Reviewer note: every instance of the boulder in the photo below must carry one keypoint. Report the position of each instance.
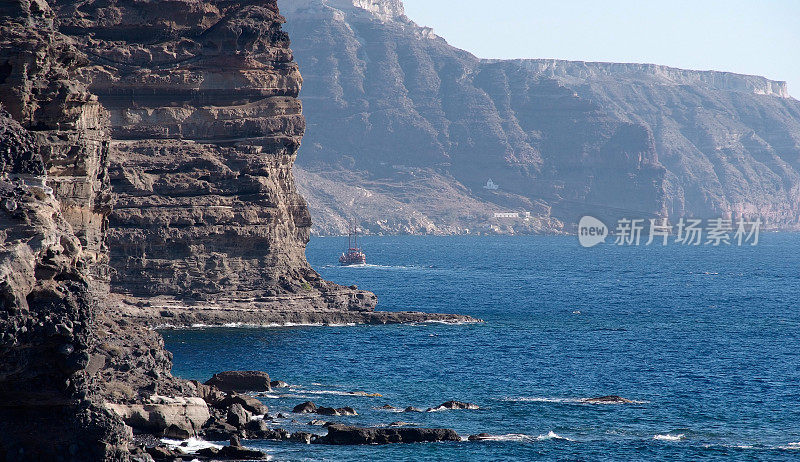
(302, 437)
(179, 414)
(338, 411)
(278, 384)
(346, 435)
(305, 408)
(248, 402)
(240, 381)
(412, 409)
(219, 431)
(232, 453)
(159, 453)
(238, 416)
(479, 437)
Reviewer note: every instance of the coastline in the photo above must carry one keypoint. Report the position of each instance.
(169, 314)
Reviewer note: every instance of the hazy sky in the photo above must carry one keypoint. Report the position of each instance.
(759, 37)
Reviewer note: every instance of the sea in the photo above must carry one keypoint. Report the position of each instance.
(705, 342)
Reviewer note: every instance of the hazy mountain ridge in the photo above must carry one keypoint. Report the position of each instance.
(390, 100)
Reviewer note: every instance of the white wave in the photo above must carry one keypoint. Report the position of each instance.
(521, 437)
(449, 322)
(559, 400)
(790, 447)
(394, 409)
(537, 399)
(669, 437)
(189, 446)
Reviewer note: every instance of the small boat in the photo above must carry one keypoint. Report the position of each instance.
(354, 255)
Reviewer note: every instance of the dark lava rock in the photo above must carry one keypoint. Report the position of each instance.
(302, 437)
(338, 411)
(305, 408)
(241, 381)
(610, 399)
(346, 435)
(163, 453)
(278, 384)
(232, 453)
(219, 431)
(318, 423)
(479, 437)
(249, 403)
(238, 416)
(176, 432)
(412, 409)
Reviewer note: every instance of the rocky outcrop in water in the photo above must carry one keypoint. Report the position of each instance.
(348, 435)
(404, 131)
(206, 124)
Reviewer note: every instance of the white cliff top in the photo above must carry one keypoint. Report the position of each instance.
(384, 10)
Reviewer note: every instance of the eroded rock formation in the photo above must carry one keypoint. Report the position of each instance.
(405, 130)
(64, 354)
(206, 125)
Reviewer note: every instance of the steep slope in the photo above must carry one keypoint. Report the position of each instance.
(206, 126)
(52, 253)
(392, 102)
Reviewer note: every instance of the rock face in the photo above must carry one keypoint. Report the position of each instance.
(49, 400)
(65, 354)
(52, 254)
(38, 89)
(206, 126)
(405, 130)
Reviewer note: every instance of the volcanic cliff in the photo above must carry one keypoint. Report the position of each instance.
(205, 121)
(206, 210)
(405, 130)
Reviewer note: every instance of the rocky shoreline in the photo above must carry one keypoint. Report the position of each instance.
(236, 313)
(145, 181)
(165, 426)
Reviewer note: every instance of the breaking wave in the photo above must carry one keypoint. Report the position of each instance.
(669, 437)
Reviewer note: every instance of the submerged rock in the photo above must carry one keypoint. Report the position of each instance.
(453, 405)
(610, 399)
(310, 408)
(348, 435)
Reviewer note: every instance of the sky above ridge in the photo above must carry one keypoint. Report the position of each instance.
(747, 37)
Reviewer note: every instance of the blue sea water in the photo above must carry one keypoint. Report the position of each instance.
(705, 340)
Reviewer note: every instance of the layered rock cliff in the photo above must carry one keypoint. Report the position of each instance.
(52, 254)
(398, 116)
(206, 124)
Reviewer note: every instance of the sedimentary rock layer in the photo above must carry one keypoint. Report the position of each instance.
(64, 355)
(398, 116)
(206, 126)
